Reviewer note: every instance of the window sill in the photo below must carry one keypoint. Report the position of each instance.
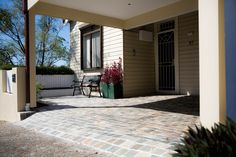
(92, 69)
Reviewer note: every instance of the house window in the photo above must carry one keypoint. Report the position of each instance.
(91, 47)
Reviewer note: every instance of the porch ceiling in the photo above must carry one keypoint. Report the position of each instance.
(116, 13)
(119, 9)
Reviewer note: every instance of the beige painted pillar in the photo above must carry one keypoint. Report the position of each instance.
(32, 59)
(212, 62)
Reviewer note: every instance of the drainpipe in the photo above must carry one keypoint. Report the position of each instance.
(27, 57)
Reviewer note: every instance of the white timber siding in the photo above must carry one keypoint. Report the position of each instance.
(112, 47)
(139, 65)
(138, 57)
(189, 53)
(75, 62)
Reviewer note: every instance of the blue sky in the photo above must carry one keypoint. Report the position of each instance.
(5, 2)
(65, 32)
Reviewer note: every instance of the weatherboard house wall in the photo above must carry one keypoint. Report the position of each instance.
(116, 45)
(112, 47)
(139, 57)
(212, 43)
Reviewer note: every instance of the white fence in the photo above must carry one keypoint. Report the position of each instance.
(55, 81)
(55, 85)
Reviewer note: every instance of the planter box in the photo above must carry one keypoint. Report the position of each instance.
(112, 91)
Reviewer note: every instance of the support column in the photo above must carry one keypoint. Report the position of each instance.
(26, 31)
(212, 62)
(32, 58)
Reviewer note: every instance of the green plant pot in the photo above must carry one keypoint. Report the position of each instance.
(112, 91)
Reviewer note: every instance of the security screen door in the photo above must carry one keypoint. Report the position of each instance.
(166, 57)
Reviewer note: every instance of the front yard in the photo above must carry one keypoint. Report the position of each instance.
(16, 141)
(131, 127)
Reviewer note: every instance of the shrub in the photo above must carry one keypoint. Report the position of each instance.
(201, 142)
(112, 74)
(39, 88)
(9, 66)
(62, 70)
(6, 67)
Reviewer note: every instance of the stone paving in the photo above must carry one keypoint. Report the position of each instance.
(131, 127)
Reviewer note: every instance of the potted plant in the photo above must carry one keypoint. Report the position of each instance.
(111, 81)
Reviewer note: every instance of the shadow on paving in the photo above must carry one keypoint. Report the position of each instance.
(42, 107)
(185, 105)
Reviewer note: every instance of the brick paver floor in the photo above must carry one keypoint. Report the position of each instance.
(131, 127)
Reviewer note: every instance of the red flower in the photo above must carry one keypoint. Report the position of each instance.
(112, 74)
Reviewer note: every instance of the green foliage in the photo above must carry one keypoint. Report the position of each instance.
(201, 142)
(9, 66)
(6, 55)
(6, 67)
(62, 70)
(39, 88)
(50, 47)
(12, 33)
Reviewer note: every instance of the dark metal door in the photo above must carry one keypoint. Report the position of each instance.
(166, 56)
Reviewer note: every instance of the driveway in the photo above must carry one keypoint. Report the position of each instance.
(131, 127)
(16, 141)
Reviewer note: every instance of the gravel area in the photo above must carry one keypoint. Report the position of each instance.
(16, 141)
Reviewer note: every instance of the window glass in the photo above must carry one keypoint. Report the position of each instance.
(91, 47)
(96, 54)
(86, 52)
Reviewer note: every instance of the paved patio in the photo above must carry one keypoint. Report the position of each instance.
(16, 141)
(131, 127)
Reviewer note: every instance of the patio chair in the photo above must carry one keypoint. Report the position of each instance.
(88, 81)
(76, 86)
(92, 82)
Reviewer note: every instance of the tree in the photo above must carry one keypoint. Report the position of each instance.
(50, 47)
(6, 56)
(12, 34)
